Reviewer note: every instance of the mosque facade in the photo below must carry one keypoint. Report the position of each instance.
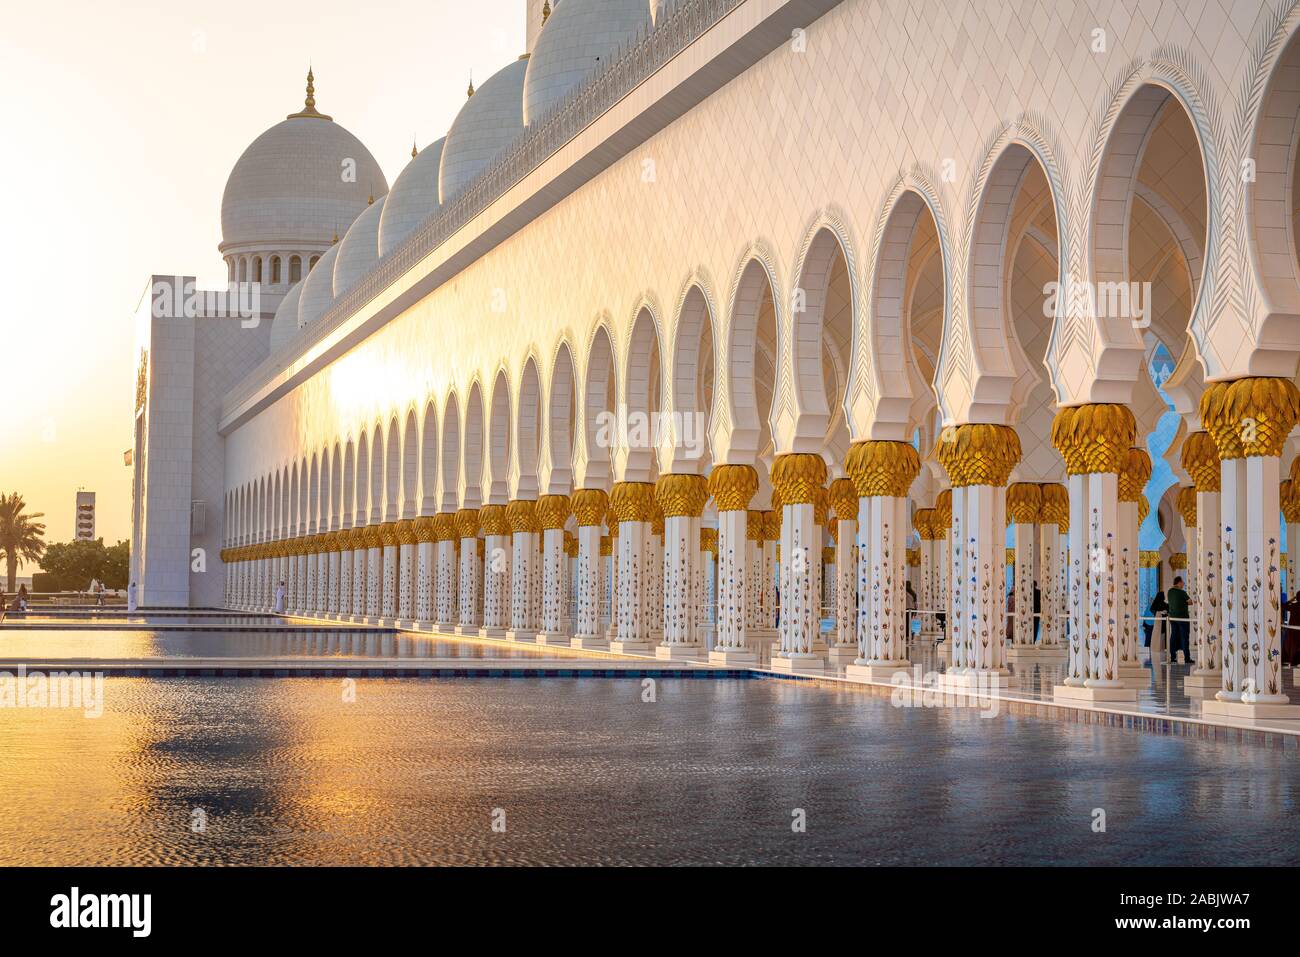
(719, 324)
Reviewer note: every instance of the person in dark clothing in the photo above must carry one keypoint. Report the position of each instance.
(1158, 607)
(1178, 601)
(1038, 609)
(1291, 630)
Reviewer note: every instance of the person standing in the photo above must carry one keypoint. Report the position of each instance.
(279, 598)
(1038, 610)
(131, 597)
(1178, 601)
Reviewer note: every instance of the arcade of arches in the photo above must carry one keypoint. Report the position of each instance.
(699, 486)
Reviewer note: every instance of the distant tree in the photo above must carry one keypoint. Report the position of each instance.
(22, 538)
(117, 564)
(74, 564)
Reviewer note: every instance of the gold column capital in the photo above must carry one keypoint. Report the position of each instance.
(553, 511)
(467, 522)
(1055, 505)
(1185, 502)
(1134, 472)
(425, 530)
(1148, 558)
(632, 501)
(521, 514)
(1200, 459)
(589, 505)
(844, 499)
(1250, 417)
(1024, 503)
(978, 454)
(883, 468)
(772, 526)
(942, 520)
(709, 540)
(1290, 497)
(1178, 561)
(732, 486)
(796, 475)
(1094, 438)
(682, 495)
(493, 520)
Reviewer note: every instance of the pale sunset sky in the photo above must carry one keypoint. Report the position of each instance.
(122, 121)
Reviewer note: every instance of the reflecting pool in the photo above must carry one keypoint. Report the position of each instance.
(388, 771)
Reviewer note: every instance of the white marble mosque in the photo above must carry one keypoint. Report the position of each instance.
(707, 324)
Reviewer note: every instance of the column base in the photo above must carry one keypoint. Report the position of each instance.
(842, 655)
(1094, 695)
(552, 638)
(679, 652)
(1252, 713)
(630, 647)
(589, 643)
(1204, 679)
(973, 679)
(801, 665)
(732, 656)
(490, 632)
(877, 673)
(469, 631)
(1037, 652)
(1128, 672)
(521, 634)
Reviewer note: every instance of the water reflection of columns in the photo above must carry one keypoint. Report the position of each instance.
(1249, 420)
(732, 487)
(796, 479)
(589, 506)
(632, 504)
(882, 472)
(1199, 506)
(552, 512)
(1094, 440)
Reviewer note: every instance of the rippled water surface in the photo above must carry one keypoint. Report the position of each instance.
(287, 771)
(305, 642)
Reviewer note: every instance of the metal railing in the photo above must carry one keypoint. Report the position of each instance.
(636, 61)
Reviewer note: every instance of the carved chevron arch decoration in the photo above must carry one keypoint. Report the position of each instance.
(786, 407)
(867, 387)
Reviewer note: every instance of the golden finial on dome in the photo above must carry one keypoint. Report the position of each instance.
(470, 90)
(413, 149)
(371, 200)
(546, 9)
(334, 241)
(309, 105)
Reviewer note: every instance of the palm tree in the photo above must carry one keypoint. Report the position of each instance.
(21, 536)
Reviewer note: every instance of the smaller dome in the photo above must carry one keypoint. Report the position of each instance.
(285, 324)
(318, 289)
(486, 125)
(359, 250)
(577, 38)
(413, 198)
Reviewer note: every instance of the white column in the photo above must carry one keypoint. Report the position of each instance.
(1049, 571)
(334, 572)
(736, 577)
(406, 574)
(360, 568)
(1127, 565)
(342, 590)
(984, 573)
(1026, 536)
(1103, 599)
(425, 572)
(1203, 559)
(446, 572)
(388, 601)
(681, 559)
(496, 582)
(589, 507)
(631, 618)
(797, 479)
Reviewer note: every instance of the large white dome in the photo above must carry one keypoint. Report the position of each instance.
(488, 122)
(577, 38)
(299, 183)
(413, 198)
(318, 289)
(285, 323)
(359, 250)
